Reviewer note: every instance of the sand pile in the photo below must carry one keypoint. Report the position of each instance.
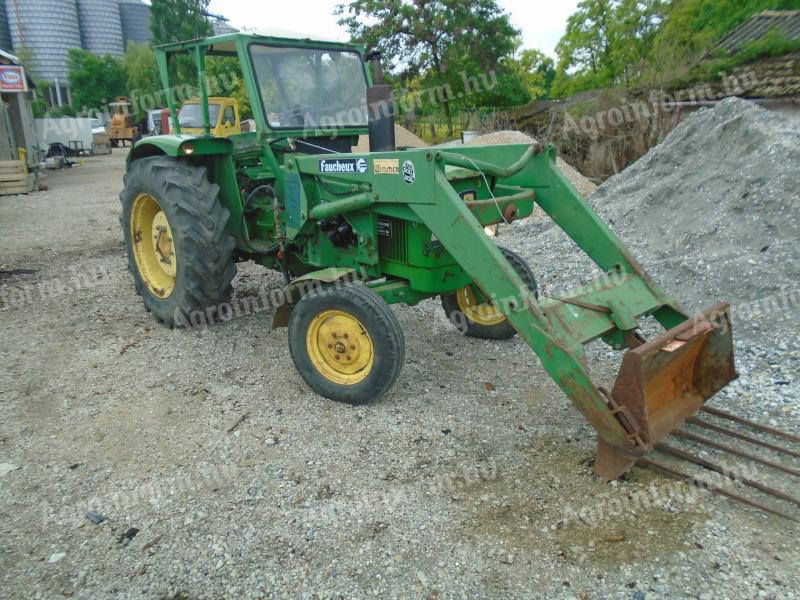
(403, 138)
(584, 186)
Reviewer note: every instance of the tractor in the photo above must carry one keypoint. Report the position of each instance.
(353, 233)
(223, 114)
(121, 126)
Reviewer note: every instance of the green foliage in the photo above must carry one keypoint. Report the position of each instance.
(537, 71)
(773, 43)
(95, 80)
(39, 106)
(225, 79)
(61, 111)
(693, 27)
(623, 42)
(442, 47)
(177, 21)
(143, 79)
(607, 42)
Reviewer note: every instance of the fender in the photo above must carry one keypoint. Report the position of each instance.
(179, 145)
(301, 286)
(216, 154)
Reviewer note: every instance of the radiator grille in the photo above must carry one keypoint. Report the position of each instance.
(393, 239)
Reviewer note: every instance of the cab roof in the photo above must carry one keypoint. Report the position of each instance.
(226, 44)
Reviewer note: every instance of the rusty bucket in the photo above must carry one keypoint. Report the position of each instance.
(666, 381)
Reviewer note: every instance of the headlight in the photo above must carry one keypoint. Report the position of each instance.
(187, 148)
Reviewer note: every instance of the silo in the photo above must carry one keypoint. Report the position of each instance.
(220, 27)
(101, 27)
(135, 21)
(47, 29)
(5, 33)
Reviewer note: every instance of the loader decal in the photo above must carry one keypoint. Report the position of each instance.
(386, 166)
(343, 165)
(409, 173)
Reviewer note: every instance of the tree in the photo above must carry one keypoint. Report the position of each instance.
(442, 45)
(224, 74)
(538, 71)
(94, 80)
(621, 42)
(144, 82)
(177, 21)
(607, 42)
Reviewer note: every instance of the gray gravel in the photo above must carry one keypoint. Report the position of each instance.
(445, 489)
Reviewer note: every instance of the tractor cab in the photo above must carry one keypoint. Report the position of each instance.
(308, 96)
(223, 116)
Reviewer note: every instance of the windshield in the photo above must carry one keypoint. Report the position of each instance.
(311, 88)
(191, 115)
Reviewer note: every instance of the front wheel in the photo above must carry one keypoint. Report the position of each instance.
(346, 343)
(477, 315)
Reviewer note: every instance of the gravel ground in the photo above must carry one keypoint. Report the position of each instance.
(471, 479)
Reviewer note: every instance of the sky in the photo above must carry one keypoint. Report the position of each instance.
(542, 21)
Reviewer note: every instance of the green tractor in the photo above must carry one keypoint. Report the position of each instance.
(355, 232)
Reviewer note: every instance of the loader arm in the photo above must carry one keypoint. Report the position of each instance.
(661, 383)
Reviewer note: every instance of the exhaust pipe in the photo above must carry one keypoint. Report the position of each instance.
(381, 109)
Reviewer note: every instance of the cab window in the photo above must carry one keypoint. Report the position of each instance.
(228, 117)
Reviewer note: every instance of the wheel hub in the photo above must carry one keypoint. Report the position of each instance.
(339, 347)
(162, 242)
(155, 255)
(476, 310)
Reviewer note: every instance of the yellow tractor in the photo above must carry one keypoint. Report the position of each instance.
(223, 115)
(121, 126)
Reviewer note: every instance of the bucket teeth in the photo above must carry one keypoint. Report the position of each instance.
(692, 437)
(743, 437)
(664, 470)
(731, 474)
(757, 426)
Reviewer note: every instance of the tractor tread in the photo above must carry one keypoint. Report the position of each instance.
(198, 221)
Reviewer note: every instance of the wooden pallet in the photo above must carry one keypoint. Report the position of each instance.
(13, 177)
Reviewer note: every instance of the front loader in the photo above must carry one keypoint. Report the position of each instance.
(353, 233)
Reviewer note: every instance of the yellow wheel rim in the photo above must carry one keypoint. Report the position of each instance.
(153, 246)
(340, 347)
(480, 313)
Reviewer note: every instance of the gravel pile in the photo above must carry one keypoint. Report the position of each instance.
(713, 213)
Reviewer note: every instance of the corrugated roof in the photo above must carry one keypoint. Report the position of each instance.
(786, 21)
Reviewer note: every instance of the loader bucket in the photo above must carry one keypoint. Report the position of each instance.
(666, 381)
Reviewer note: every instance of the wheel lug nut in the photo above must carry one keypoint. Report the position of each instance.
(348, 357)
(352, 347)
(330, 345)
(345, 336)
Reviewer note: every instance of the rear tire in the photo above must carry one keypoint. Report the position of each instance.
(346, 343)
(179, 250)
(481, 319)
